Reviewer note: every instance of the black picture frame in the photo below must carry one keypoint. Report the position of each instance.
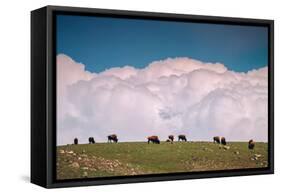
(43, 96)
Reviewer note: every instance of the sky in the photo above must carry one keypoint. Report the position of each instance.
(101, 43)
(137, 78)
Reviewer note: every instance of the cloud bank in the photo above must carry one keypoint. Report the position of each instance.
(171, 96)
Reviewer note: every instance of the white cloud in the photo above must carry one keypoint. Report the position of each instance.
(171, 96)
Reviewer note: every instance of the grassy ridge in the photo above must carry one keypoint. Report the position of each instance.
(131, 158)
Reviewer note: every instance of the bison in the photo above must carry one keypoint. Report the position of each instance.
(223, 141)
(251, 144)
(171, 138)
(181, 138)
(91, 140)
(75, 141)
(153, 139)
(217, 139)
(113, 138)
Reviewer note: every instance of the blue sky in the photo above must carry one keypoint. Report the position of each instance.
(101, 43)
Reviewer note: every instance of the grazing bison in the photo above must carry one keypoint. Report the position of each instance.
(181, 138)
(91, 140)
(171, 138)
(251, 144)
(217, 139)
(75, 141)
(223, 141)
(153, 139)
(113, 138)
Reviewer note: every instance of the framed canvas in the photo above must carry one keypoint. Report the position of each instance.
(126, 96)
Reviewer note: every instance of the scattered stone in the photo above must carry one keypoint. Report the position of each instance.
(236, 152)
(83, 151)
(75, 165)
(88, 163)
(62, 151)
(256, 157)
(70, 152)
(226, 147)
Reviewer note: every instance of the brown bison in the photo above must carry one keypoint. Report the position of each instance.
(171, 138)
(217, 139)
(251, 144)
(223, 141)
(153, 139)
(113, 138)
(181, 138)
(91, 140)
(75, 141)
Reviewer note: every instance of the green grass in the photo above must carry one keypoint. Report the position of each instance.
(110, 159)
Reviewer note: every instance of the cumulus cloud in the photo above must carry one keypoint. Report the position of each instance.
(171, 96)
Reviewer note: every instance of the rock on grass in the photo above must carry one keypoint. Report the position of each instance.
(75, 165)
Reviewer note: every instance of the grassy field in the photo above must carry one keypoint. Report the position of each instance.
(110, 159)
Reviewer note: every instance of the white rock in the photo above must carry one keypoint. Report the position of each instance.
(75, 165)
(62, 151)
(226, 147)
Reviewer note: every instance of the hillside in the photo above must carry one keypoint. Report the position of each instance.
(132, 158)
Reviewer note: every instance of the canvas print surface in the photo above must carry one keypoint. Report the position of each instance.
(137, 97)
